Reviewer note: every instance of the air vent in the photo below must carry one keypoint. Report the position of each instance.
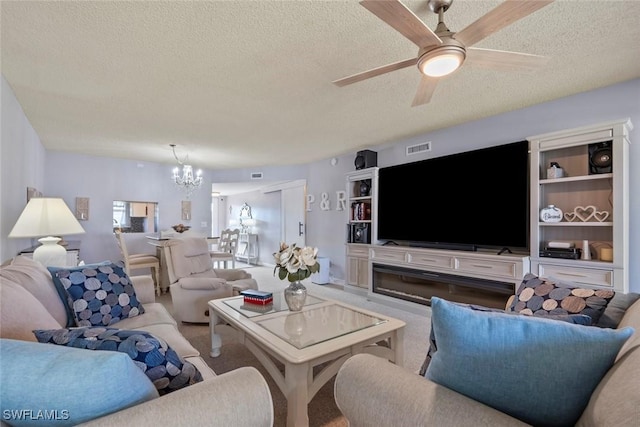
(256, 175)
(418, 148)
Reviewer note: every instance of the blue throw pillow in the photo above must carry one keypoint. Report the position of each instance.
(163, 366)
(97, 294)
(578, 319)
(59, 386)
(537, 370)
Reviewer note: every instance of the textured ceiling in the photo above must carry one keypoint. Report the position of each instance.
(248, 83)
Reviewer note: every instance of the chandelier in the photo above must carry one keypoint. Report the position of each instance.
(188, 182)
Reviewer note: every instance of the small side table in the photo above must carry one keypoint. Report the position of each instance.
(247, 250)
(72, 247)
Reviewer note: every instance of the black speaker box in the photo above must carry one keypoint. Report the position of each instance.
(366, 159)
(600, 158)
(360, 233)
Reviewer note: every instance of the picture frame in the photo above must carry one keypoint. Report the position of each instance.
(186, 210)
(32, 192)
(82, 208)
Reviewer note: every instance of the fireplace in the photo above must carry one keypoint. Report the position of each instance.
(420, 286)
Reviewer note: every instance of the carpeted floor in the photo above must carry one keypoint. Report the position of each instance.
(322, 408)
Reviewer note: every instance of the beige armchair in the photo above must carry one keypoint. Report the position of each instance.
(194, 281)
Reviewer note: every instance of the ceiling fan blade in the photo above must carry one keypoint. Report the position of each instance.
(505, 14)
(375, 72)
(402, 20)
(504, 61)
(425, 90)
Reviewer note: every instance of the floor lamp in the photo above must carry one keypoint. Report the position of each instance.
(47, 217)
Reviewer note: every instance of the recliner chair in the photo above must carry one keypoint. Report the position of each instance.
(194, 281)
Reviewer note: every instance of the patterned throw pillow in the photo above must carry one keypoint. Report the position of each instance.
(98, 294)
(164, 367)
(542, 297)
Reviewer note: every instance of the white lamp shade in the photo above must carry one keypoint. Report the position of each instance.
(45, 216)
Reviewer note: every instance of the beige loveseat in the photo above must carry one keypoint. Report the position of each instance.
(29, 301)
(370, 391)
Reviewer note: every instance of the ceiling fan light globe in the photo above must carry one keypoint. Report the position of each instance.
(441, 61)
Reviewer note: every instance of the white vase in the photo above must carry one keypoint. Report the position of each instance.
(295, 295)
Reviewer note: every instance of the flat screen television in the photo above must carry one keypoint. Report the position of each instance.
(471, 200)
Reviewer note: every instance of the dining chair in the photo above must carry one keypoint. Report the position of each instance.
(139, 261)
(227, 247)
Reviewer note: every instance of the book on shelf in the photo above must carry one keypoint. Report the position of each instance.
(361, 211)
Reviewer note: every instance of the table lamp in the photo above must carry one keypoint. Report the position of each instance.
(45, 216)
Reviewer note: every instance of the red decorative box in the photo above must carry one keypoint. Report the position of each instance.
(257, 301)
(252, 296)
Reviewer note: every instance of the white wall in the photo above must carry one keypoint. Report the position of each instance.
(22, 159)
(104, 180)
(265, 209)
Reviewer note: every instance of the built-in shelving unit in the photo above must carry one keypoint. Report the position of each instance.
(362, 196)
(594, 201)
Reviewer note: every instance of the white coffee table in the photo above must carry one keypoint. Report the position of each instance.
(324, 332)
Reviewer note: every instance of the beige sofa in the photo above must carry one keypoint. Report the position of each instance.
(30, 301)
(371, 391)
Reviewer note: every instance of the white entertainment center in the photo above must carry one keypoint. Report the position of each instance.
(599, 196)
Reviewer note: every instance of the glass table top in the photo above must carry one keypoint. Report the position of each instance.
(315, 325)
(278, 304)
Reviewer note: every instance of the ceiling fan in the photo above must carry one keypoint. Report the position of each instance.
(441, 52)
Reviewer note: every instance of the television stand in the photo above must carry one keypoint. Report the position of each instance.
(445, 246)
(479, 277)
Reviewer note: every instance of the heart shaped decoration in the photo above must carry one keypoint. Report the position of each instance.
(569, 216)
(585, 213)
(601, 215)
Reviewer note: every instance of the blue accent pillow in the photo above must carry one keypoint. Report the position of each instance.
(537, 370)
(163, 366)
(59, 386)
(62, 292)
(97, 294)
(578, 319)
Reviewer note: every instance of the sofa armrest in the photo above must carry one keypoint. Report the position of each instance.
(237, 398)
(231, 274)
(145, 289)
(203, 283)
(371, 391)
